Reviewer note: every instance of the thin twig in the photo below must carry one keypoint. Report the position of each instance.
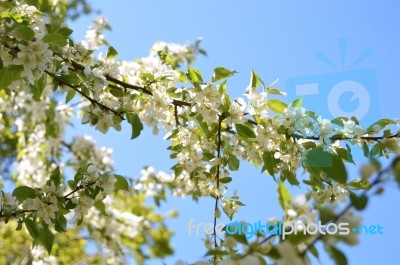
(217, 180)
(349, 206)
(92, 100)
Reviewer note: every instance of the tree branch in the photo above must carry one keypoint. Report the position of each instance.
(92, 100)
(66, 197)
(217, 180)
(376, 181)
(175, 102)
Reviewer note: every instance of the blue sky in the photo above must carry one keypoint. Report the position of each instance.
(312, 43)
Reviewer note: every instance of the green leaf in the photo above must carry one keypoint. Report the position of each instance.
(203, 126)
(314, 251)
(326, 215)
(382, 123)
(70, 205)
(244, 131)
(65, 31)
(121, 183)
(23, 192)
(396, 169)
(7, 5)
(111, 53)
(19, 226)
(309, 145)
(340, 121)
(32, 228)
(61, 224)
(284, 196)
(79, 175)
(165, 58)
(317, 160)
(136, 123)
(349, 155)
(269, 163)
(24, 32)
(225, 180)
(274, 253)
(38, 87)
(359, 202)
(297, 103)
(70, 95)
(9, 74)
(216, 252)
(101, 207)
(360, 184)
(376, 150)
(337, 171)
(365, 149)
(338, 256)
(261, 261)
(71, 78)
(255, 82)
(275, 91)
(47, 238)
(56, 176)
(71, 184)
(345, 154)
(297, 238)
(221, 73)
(277, 105)
(291, 177)
(241, 238)
(194, 76)
(118, 93)
(233, 163)
(55, 39)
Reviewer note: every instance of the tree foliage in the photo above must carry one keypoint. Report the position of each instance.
(66, 193)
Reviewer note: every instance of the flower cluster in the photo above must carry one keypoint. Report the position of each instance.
(210, 134)
(44, 204)
(85, 151)
(94, 35)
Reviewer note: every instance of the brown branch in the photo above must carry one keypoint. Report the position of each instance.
(16, 213)
(217, 180)
(129, 86)
(66, 197)
(338, 216)
(175, 102)
(78, 188)
(177, 123)
(349, 206)
(92, 100)
(112, 79)
(344, 138)
(335, 138)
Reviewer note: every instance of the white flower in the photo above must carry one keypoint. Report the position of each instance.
(104, 123)
(333, 192)
(107, 183)
(351, 129)
(40, 257)
(325, 126)
(300, 201)
(83, 204)
(7, 199)
(48, 212)
(289, 255)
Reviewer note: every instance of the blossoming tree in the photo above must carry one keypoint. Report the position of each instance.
(63, 194)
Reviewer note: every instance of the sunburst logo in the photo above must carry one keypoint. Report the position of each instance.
(345, 92)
